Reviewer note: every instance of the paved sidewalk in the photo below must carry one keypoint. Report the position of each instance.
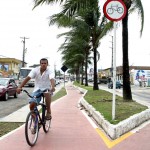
(71, 130)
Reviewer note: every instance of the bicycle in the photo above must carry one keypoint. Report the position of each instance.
(37, 121)
(114, 8)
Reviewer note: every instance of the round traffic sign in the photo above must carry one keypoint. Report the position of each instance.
(114, 10)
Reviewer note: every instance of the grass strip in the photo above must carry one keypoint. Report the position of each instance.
(101, 100)
(6, 127)
(59, 94)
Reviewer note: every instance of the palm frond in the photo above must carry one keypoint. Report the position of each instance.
(60, 20)
(137, 5)
(72, 6)
(41, 2)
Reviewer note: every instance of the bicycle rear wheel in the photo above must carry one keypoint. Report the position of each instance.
(46, 123)
(30, 126)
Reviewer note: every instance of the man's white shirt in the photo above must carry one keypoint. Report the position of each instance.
(42, 82)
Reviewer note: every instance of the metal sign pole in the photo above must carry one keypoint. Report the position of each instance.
(64, 68)
(114, 74)
(112, 14)
(64, 79)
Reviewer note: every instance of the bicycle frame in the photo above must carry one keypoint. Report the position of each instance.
(41, 119)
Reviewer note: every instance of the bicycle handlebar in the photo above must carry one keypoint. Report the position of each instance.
(27, 93)
(33, 96)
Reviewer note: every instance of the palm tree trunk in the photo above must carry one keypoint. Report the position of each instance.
(82, 72)
(127, 95)
(95, 87)
(77, 75)
(86, 66)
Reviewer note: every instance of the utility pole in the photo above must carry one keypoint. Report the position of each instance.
(24, 50)
(55, 69)
(112, 57)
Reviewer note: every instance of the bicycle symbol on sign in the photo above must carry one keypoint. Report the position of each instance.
(114, 8)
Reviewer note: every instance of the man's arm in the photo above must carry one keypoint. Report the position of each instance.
(52, 85)
(22, 84)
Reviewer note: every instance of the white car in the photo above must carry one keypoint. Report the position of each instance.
(57, 82)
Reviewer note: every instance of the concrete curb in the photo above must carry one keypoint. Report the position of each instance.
(115, 131)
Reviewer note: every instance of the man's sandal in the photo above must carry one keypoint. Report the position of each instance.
(48, 116)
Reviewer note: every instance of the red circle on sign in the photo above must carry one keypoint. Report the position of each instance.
(108, 16)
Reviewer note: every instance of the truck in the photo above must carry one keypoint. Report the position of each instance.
(23, 73)
(102, 78)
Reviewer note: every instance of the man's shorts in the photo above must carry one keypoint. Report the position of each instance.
(36, 93)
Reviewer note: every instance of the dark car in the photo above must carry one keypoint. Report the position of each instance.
(121, 82)
(118, 85)
(8, 88)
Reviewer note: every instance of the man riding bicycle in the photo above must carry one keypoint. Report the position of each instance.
(44, 79)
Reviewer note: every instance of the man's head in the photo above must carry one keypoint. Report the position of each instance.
(43, 63)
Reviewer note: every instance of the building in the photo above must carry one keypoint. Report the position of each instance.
(9, 66)
(138, 74)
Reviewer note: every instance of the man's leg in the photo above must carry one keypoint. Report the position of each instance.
(48, 104)
(32, 105)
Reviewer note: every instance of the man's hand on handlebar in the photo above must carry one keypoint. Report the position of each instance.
(18, 90)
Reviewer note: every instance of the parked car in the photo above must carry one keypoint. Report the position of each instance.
(57, 82)
(118, 85)
(8, 88)
(121, 82)
(90, 80)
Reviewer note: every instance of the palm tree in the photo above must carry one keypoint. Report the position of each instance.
(131, 6)
(78, 37)
(72, 8)
(73, 56)
(99, 28)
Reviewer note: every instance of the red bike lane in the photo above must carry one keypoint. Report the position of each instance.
(71, 130)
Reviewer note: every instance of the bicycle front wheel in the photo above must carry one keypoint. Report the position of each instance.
(46, 123)
(31, 129)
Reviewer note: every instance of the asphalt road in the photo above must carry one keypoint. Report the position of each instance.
(143, 94)
(13, 104)
(139, 93)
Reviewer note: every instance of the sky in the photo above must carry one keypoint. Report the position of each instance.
(139, 47)
(17, 20)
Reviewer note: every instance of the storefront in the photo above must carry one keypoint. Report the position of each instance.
(140, 77)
